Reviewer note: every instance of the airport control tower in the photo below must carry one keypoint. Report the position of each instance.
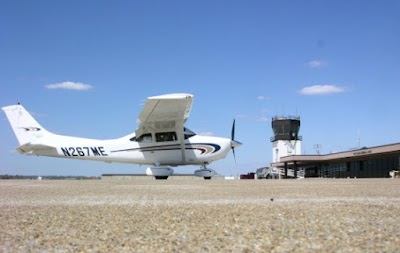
(286, 140)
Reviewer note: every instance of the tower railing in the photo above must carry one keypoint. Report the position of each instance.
(276, 138)
(285, 117)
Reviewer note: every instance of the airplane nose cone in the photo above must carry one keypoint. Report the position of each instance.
(235, 144)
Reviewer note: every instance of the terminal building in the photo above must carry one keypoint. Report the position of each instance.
(372, 162)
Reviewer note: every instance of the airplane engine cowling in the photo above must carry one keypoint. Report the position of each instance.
(206, 173)
(159, 171)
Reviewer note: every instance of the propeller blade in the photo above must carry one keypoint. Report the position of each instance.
(233, 142)
(234, 155)
(233, 130)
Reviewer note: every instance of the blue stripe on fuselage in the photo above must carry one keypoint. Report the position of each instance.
(188, 146)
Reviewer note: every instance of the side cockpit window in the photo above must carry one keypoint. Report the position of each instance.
(166, 136)
(144, 138)
(162, 136)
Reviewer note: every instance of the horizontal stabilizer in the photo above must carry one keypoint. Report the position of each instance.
(31, 149)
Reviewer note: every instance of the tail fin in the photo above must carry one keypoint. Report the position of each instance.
(25, 127)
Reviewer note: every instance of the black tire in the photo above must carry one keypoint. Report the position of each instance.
(161, 177)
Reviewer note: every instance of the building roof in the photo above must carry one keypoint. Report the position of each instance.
(352, 155)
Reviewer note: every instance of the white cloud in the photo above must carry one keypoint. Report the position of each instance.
(261, 97)
(316, 64)
(323, 89)
(262, 119)
(13, 151)
(241, 116)
(70, 86)
(206, 133)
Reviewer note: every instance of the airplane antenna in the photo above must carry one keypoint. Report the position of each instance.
(317, 148)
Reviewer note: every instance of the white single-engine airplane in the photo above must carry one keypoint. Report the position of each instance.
(161, 139)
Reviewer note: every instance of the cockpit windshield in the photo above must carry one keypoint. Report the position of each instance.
(188, 133)
(145, 138)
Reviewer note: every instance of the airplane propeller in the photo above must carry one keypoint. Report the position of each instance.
(234, 143)
(233, 130)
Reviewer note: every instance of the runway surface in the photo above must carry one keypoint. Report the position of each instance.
(315, 215)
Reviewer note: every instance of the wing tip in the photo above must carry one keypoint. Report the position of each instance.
(173, 96)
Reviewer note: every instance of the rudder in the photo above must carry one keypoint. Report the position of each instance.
(25, 127)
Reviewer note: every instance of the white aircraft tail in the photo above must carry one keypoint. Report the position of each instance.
(25, 127)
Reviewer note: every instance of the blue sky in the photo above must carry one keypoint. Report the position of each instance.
(334, 63)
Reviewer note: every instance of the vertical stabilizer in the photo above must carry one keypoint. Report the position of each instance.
(25, 127)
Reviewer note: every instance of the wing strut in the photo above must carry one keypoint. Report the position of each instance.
(181, 138)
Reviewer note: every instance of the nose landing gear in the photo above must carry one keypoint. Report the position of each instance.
(205, 172)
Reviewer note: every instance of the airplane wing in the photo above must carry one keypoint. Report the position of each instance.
(166, 112)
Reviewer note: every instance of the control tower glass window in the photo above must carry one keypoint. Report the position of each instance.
(286, 128)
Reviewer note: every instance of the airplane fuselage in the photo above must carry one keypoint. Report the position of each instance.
(198, 150)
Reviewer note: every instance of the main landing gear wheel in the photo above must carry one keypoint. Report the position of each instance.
(161, 177)
(159, 172)
(205, 172)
